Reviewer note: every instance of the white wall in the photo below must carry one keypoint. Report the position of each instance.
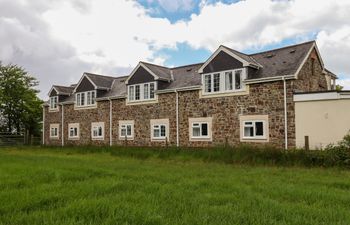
(324, 121)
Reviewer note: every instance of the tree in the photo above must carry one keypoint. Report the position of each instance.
(338, 87)
(20, 107)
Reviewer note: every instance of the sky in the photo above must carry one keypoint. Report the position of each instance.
(58, 40)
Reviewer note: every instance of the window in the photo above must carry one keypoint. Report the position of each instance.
(207, 83)
(140, 92)
(160, 129)
(126, 129)
(238, 79)
(97, 131)
(54, 130)
(254, 127)
(226, 81)
(73, 130)
(216, 82)
(87, 98)
(200, 129)
(146, 91)
(53, 102)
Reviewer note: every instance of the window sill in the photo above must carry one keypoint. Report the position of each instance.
(160, 139)
(223, 94)
(254, 139)
(98, 138)
(85, 107)
(141, 102)
(54, 138)
(128, 138)
(194, 139)
(73, 138)
(54, 110)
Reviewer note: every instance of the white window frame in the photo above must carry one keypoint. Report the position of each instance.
(53, 103)
(125, 123)
(253, 125)
(97, 125)
(158, 123)
(200, 130)
(159, 128)
(254, 119)
(200, 121)
(73, 126)
(142, 97)
(223, 85)
(89, 99)
(55, 126)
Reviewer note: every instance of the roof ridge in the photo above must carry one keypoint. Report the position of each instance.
(61, 86)
(193, 64)
(234, 50)
(276, 49)
(152, 64)
(94, 74)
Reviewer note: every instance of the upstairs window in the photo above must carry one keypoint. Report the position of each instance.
(141, 92)
(87, 98)
(53, 103)
(226, 81)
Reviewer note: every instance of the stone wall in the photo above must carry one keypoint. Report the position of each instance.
(52, 118)
(263, 99)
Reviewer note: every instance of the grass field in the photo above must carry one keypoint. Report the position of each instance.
(49, 186)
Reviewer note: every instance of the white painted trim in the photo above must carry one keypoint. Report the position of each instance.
(321, 96)
(86, 105)
(142, 92)
(126, 123)
(74, 125)
(43, 130)
(269, 79)
(160, 122)
(136, 68)
(208, 120)
(189, 88)
(110, 123)
(52, 88)
(57, 126)
(253, 118)
(98, 124)
(81, 79)
(224, 49)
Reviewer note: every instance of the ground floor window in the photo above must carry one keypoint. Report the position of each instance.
(73, 131)
(254, 128)
(200, 129)
(126, 129)
(160, 129)
(54, 130)
(97, 130)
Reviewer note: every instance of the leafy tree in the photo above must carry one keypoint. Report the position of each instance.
(20, 108)
(338, 87)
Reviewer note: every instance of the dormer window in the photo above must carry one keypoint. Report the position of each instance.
(53, 103)
(141, 92)
(223, 82)
(85, 99)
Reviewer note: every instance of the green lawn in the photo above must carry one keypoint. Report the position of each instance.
(47, 186)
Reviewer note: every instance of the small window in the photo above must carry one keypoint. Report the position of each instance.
(216, 87)
(159, 131)
(200, 130)
(254, 129)
(97, 130)
(207, 83)
(137, 92)
(238, 79)
(126, 129)
(131, 93)
(54, 130)
(151, 96)
(228, 81)
(146, 91)
(73, 130)
(53, 102)
(82, 99)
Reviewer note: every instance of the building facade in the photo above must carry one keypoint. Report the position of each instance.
(231, 98)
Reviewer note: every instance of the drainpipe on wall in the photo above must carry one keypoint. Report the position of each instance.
(110, 123)
(62, 134)
(177, 119)
(285, 114)
(43, 130)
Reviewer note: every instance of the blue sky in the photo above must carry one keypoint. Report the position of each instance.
(111, 36)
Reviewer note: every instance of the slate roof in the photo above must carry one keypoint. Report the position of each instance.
(276, 62)
(64, 90)
(101, 81)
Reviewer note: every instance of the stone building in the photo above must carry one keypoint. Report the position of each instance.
(231, 98)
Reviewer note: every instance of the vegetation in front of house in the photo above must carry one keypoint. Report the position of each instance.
(20, 108)
(64, 186)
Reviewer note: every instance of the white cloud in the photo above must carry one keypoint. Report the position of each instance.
(108, 36)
